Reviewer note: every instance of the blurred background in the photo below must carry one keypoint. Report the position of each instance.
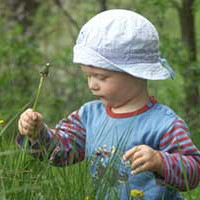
(35, 32)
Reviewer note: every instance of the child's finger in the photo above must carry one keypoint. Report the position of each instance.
(38, 116)
(27, 119)
(34, 116)
(139, 169)
(137, 163)
(22, 128)
(128, 154)
(31, 115)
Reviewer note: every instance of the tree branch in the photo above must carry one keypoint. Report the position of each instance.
(66, 13)
(69, 17)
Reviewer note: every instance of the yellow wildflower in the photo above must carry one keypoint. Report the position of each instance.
(87, 198)
(2, 121)
(136, 193)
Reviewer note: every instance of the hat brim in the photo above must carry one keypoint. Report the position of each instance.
(150, 71)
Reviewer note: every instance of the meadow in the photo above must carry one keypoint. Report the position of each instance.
(25, 177)
(49, 36)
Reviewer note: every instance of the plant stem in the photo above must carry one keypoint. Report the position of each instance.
(38, 92)
(43, 74)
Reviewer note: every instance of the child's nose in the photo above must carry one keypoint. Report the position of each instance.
(92, 83)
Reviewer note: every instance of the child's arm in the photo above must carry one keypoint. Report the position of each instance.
(177, 155)
(63, 145)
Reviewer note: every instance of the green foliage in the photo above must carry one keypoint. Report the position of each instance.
(50, 38)
(18, 55)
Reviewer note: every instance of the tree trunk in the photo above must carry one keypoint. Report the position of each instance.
(191, 75)
(188, 28)
(102, 5)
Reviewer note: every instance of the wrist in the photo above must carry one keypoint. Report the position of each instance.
(159, 168)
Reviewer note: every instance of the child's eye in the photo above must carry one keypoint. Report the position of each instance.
(101, 77)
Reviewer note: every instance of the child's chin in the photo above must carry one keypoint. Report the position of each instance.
(107, 103)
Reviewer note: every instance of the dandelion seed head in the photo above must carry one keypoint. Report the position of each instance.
(45, 70)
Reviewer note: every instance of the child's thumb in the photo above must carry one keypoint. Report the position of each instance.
(35, 116)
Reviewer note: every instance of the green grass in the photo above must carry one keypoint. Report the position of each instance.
(24, 177)
(34, 180)
(193, 194)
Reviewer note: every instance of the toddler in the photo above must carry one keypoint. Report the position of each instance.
(133, 142)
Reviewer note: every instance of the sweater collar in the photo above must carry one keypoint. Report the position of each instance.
(150, 104)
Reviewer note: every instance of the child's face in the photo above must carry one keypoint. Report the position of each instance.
(115, 89)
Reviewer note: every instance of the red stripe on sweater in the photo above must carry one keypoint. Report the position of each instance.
(170, 139)
(174, 129)
(73, 127)
(186, 152)
(75, 116)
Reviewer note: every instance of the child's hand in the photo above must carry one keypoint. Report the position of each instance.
(30, 123)
(144, 158)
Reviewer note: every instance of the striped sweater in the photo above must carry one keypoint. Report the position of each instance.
(96, 133)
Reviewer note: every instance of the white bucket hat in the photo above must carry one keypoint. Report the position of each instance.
(122, 40)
